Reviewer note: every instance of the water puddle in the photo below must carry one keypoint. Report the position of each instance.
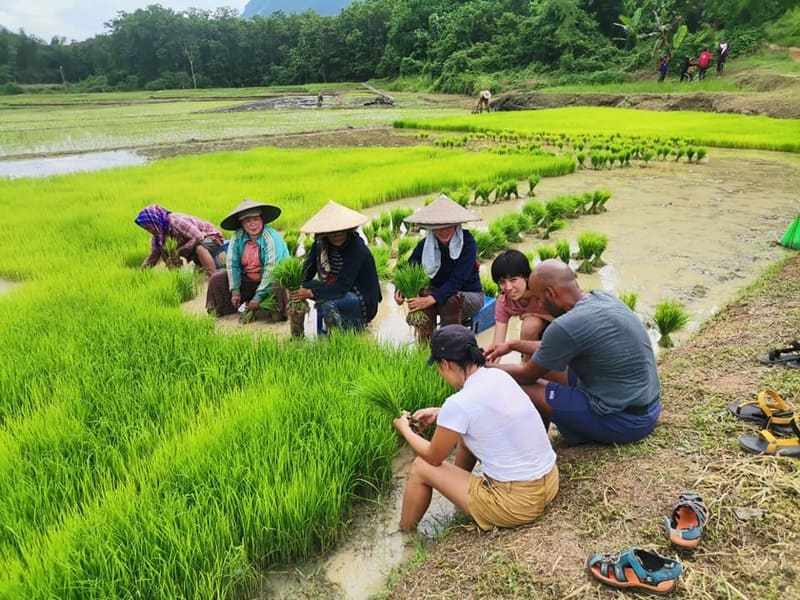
(74, 163)
(6, 286)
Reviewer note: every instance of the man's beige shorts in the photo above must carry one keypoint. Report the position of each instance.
(512, 503)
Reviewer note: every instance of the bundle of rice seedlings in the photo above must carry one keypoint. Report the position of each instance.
(483, 191)
(599, 199)
(369, 233)
(490, 288)
(289, 275)
(552, 226)
(546, 252)
(701, 153)
(398, 214)
(670, 316)
(406, 244)
(690, 152)
(533, 181)
(172, 260)
(488, 243)
(382, 256)
(629, 299)
(386, 235)
(460, 196)
(188, 281)
(409, 280)
(382, 391)
(535, 211)
(563, 251)
(600, 245)
(511, 226)
(308, 241)
(586, 246)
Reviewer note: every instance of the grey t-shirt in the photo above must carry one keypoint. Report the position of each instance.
(608, 348)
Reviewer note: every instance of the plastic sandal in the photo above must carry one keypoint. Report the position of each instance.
(770, 410)
(689, 517)
(636, 569)
(779, 356)
(766, 443)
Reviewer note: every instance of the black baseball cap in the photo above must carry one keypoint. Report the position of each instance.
(452, 342)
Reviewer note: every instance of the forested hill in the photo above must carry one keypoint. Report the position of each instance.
(447, 45)
(267, 7)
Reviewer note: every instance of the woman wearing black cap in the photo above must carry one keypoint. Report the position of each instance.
(490, 419)
(253, 252)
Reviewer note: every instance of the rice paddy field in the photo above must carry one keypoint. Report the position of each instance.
(142, 452)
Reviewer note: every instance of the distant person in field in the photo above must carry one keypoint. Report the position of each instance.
(511, 271)
(197, 240)
(253, 252)
(489, 419)
(483, 101)
(449, 255)
(703, 62)
(339, 272)
(722, 55)
(688, 68)
(319, 100)
(663, 66)
(593, 373)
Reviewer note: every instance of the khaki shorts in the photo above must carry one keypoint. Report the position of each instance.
(512, 503)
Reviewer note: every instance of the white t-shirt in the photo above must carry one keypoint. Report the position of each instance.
(500, 426)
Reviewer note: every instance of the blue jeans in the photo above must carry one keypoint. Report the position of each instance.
(344, 312)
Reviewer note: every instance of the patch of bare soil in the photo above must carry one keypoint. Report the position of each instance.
(614, 498)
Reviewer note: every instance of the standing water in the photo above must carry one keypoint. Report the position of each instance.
(74, 163)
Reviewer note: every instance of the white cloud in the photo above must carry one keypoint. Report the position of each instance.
(82, 19)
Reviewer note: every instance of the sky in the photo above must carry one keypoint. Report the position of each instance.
(82, 19)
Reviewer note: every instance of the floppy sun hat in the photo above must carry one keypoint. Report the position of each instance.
(451, 342)
(442, 212)
(332, 218)
(248, 208)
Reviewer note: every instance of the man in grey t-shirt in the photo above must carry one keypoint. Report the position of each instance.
(593, 373)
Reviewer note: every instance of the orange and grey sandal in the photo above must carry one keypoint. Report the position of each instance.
(770, 410)
(689, 517)
(636, 569)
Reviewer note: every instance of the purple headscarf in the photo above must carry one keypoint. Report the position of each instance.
(154, 219)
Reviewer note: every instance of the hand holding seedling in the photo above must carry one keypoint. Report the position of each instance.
(236, 300)
(302, 294)
(424, 417)
(398, 297)
(421, 302)
(252, 306)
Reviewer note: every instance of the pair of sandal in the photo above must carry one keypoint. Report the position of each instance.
(789, 356)
(775, 416)
(650, 571)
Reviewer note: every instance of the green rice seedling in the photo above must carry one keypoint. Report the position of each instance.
(369, 233)
(386, 235)
(188, 281)
(629, 299)
(600, 245)
(379, 389)
(292, 239)
(701, 153)
(506, 189)
(669, 317)
(382, 256)
(511, 225)
(588, 241)
(599, 199)
(410, 280)
(308, 241)
(385, 219)
(552, 226)
(580, 156)
(483, 193)
(647, 156)
(289, 275)
(488, 243)
(679, 153)
(461, 195)
(406, 244)
(398, 214)
(375, 223)
(172, 260)
(535, 211)
(546, 252)
(560, 207)
(490, 288)
(533, 181)
(690, 153)
(563, 251)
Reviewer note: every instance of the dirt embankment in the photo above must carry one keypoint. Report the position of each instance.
(773, 96)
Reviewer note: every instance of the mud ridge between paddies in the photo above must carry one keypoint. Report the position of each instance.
(614, 498)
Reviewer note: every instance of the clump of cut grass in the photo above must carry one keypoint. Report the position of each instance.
(409, 280)
(669, 317)
(629, 299)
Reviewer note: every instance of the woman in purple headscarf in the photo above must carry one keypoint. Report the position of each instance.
(197, 240)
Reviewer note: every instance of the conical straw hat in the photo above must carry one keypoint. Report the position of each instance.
(440, 213)
(268, 212)
(334, 217)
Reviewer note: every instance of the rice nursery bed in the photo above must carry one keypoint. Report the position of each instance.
(724, 130)
(141, 450)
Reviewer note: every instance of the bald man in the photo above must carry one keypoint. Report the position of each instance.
(593, 373)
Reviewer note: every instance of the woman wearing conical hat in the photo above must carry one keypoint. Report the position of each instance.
(449, 255)
(253, 252)
(339, 271)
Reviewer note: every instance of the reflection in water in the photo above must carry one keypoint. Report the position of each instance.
(61, 165)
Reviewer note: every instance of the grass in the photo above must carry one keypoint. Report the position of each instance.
(709, 129)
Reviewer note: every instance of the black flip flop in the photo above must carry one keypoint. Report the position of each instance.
(782, 356)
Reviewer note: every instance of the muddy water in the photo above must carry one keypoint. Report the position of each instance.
(61, 165)
(693, 233)
(6, 286)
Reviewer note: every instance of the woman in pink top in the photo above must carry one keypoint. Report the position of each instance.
(510, 271)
